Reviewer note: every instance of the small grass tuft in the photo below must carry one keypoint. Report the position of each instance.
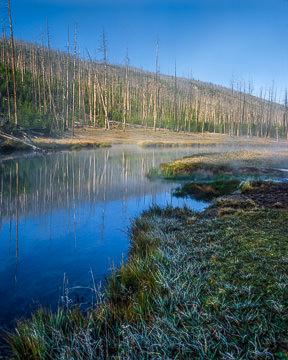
(207, 190)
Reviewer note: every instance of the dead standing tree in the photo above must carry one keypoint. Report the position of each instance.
(107, 126)
(175, 101)
(74, 79)
(96, 80)
(6, 71)
(13, 63)
(285, 115)
(155, 89)
(67, 85)
(126, 94)
(43, 74)
(49, 66)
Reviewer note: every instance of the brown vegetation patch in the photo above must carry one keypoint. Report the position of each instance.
(254, 196)
(268, 194)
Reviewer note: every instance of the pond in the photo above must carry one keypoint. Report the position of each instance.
(67, 215)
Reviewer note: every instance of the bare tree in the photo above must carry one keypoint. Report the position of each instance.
(90, 96)
(96, 80)
(74, 79)
(285, 115)
(49, 66)
(126, 93)
(107, 126)
(13, 63)
(6, 71)
(67, 83)
(175, 101)
(155, 89)
(43, 75)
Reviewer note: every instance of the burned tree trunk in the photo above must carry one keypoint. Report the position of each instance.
(13, 64)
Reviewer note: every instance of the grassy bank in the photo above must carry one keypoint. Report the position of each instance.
(70, 144)
(10, 146)
(173, 144)
(201, 286)
(227, 165)
(90, 137)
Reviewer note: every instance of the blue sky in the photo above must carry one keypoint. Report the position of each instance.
(215, 40)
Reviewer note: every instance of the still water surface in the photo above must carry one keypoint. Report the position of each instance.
(68, 213)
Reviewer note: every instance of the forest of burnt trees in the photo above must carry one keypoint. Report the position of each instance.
(59, 90)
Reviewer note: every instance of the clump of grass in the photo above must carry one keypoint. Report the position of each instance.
(236, 207)
(252, 185)
(47, 334)
(153, 173)
(246, 186)
(246, 204)
(130, 291)
(207, 190)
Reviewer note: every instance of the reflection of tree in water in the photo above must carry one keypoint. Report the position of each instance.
(65, 202)
(17, 214)
(63, 180)
(13, 203)
(40, 185)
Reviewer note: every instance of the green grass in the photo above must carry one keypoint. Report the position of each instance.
(207, 190)
(194, 287)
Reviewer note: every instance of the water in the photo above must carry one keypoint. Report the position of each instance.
(68, 213)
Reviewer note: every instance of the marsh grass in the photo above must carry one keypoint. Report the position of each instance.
(68, 144)
(227, 165)
(207, 190)
(264, 186)
(211, 288)
(172, 144)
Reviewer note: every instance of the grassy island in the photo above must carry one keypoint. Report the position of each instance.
(225, 165)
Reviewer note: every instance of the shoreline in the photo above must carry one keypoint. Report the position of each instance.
(90, 138)
(189, 288)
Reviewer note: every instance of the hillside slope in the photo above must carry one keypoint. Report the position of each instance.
(56, 90)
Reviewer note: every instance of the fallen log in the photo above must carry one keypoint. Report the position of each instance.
(28, 142)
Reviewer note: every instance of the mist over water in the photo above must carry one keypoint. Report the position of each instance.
(68, 213)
